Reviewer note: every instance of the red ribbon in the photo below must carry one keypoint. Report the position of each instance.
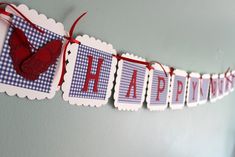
(200, 81)
(162, 67)
(119, 57)
(70, 39)
(225, 75)
(148, 64)
(172, 71)
(2, 11)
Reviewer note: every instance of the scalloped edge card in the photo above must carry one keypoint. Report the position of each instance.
(204, 88)
(193, 90)
(233, 80)
(228, 83)
(158, 88)
(178, 89)
(90, 72)
(14, 84)
(131, 82)
(214, 87)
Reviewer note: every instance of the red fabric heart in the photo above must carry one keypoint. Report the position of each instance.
(19, 52)
(31, 65)
(40, 61)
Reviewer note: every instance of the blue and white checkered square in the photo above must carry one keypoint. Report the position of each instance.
(126, 76)
(80, 72)
(7, 72)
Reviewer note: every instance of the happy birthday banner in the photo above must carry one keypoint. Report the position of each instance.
(37, 57)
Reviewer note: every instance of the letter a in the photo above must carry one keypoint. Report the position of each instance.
(132, 84)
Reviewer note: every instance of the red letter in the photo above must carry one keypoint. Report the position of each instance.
(132, 83)
(159, 88)
(179, 90)
(213, 87)
(194, 88)
(90, 76)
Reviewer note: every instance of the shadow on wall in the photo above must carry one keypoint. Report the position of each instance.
(233, 152)
(233, 149)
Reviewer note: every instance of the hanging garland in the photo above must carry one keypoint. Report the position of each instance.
(34, 51)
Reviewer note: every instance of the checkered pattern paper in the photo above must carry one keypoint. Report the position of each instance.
(204, 88)
(178, 89)
(125, 73)
(78, 73)
(12, 83)
(193, 89)
(158, 88)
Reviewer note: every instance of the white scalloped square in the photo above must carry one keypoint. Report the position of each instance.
(42, 21)
(76, 72)
(174, 102)
(158, 88)
(121, 101)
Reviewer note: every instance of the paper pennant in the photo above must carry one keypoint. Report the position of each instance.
(233, 80)
(12, 83)
(158, 88)
(131, 82)
(90, 72)
(228, 83)
(178, 89)
(204, 88)
(193, 90)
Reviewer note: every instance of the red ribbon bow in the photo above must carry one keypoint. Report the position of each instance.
(70, 39)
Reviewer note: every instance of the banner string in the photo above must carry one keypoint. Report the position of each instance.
(225, 75)
(148, 64)
(70, 39)
(15, 9)
(119, 57)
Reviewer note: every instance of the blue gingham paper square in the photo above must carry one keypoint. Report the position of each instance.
(7, 73)
(80, 73)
